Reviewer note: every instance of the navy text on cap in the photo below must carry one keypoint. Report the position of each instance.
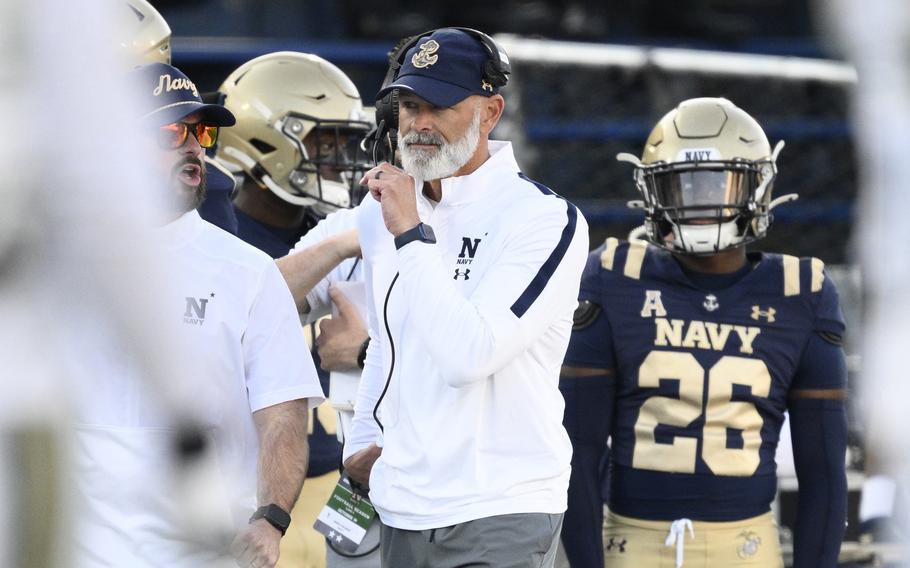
(169, 96)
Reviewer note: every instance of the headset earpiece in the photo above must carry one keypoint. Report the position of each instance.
(494, 76)
(497, 69)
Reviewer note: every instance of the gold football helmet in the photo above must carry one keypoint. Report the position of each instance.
(146, 35)
(706, 176)
(299, 126)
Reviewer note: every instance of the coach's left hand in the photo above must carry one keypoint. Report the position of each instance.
(394, 190)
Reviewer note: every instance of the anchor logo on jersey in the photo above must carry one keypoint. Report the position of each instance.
(710, 303)
(758, 313)
(750, 546)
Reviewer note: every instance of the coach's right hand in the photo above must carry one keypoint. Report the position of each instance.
(360, 464)
(395, 191)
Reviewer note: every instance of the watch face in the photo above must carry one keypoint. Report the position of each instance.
(426, 233)
(278, 515)
(275, 515)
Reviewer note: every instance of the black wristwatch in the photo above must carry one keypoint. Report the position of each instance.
(275, 515)
(422, 232)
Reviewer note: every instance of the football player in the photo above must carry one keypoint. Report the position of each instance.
(699, 348)
(301, 122)
(296, 149)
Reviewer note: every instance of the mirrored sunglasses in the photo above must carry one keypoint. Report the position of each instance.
(172, 136)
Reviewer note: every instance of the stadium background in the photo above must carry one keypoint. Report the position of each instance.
(574, 116)
(589, 80)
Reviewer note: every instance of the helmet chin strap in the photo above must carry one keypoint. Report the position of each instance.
(776, 152)
(639, 233)
(264, 178)
(631, 158)
(707, 239)
(335, 193)
(761, 189)
(782, 199)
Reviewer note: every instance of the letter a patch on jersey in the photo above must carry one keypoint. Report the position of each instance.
(653, 305)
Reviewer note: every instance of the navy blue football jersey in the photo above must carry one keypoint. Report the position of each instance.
(701, 375)
(216, 208)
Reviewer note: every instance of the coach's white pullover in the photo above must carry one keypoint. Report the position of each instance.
(467, 339)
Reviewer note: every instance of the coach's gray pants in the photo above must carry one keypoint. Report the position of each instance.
(525, 540)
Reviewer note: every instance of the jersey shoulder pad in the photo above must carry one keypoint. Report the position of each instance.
(625, 258)
(800, 276)
(806, 278)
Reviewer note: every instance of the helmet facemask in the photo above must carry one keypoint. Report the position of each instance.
(331, 162)
(706, 207)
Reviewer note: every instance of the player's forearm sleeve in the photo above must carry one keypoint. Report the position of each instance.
(819, 431)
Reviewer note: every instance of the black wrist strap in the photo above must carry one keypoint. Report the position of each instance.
(275, 515)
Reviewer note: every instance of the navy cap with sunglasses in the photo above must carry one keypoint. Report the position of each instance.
(168, 96)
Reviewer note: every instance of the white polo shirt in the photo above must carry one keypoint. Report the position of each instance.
(348, 270)
(233, 310)
(467, 339)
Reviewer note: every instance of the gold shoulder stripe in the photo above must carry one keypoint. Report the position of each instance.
(606, 257)
(818, 274)
(635, 258)
(791, 275)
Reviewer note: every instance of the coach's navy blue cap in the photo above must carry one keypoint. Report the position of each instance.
(169, 96)
(444, 68)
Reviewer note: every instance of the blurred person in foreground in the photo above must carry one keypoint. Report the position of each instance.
(702, 347)
(230, 305)
(295, 147)
(875, 37)
(472, 274)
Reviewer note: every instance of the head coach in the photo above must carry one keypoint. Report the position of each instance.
(473, 272)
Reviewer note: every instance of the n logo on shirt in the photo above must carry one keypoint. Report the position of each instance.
(468, 247)
(195, 311)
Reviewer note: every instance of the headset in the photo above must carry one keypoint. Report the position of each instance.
(382, 141)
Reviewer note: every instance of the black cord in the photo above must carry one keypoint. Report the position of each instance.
(353, 268)
(385, 314)
(388, 330)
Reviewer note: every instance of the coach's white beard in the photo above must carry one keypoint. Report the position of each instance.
(445, 161)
